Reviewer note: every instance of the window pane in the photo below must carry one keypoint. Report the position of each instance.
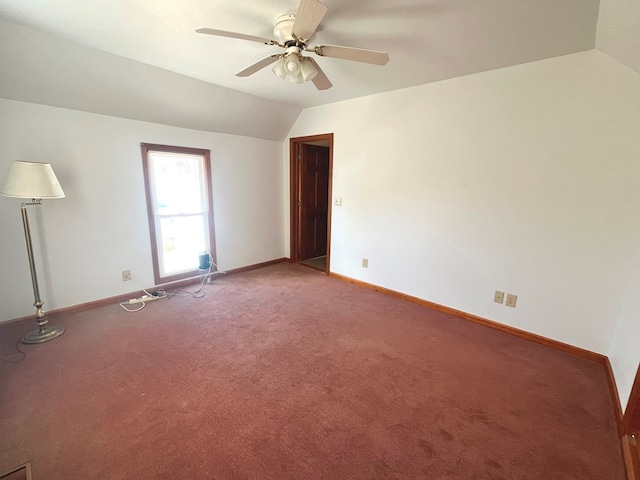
(179, 203)
(178, 182)
(182, 240)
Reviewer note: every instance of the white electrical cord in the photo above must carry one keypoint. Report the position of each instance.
(160, 293)
(211, 262)
(142, 305)
(199, 293)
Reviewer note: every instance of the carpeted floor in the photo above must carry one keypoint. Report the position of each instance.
(285, 373)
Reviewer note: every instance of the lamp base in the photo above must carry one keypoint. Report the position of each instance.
(42, 335)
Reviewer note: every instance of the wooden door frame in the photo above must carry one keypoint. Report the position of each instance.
(630, 446)
(295, 147)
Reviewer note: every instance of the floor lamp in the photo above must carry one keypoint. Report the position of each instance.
(35, 181)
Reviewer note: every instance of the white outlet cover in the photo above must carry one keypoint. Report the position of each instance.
(338, 201)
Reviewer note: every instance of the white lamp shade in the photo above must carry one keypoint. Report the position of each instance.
(279, 70)
(308, 69)
(32, 180)
(297, 78)
(292, 64)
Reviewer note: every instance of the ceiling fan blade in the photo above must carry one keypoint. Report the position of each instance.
(350, 53)
(308, 17)
(241, 36)
(321, 81)
(258, 65)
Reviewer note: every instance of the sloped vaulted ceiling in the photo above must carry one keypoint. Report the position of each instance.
(38, 67)
(619, 31)
(142, 60)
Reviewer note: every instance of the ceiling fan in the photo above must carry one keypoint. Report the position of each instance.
(293, 33)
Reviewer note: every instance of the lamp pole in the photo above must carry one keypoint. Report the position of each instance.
(42, 334)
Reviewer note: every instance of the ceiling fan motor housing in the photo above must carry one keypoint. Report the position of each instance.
(283, 28)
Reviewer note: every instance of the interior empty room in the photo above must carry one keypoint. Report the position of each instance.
(324, 240)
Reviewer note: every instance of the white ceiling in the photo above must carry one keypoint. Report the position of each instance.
(619, 31)
(427, 40)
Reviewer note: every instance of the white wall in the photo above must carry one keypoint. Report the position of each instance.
(617, 36)
(85, 240)
(524, 179)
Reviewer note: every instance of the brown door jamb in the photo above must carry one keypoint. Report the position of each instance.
(630, 431)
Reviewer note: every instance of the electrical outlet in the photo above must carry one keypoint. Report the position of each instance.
(365, 263)
(126, 275)
(511, 300)
(498, 297)
(338, 202)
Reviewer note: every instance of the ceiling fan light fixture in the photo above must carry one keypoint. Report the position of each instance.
(295, 68)
(279, 70)
(297, 78)
(292, 64)
(308, 69)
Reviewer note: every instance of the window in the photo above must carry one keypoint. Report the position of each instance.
(180, 209)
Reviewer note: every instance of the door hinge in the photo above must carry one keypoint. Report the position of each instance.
(299, 203)
(300, 157)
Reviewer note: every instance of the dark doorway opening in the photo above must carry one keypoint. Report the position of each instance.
(311, 167)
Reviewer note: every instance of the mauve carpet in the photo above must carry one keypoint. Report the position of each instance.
(285, 373)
